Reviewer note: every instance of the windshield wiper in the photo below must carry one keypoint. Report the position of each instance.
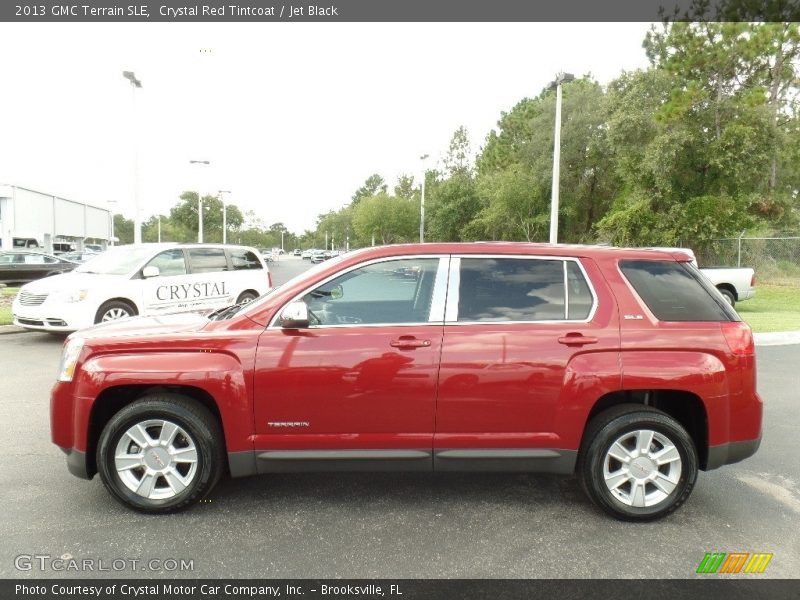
(225, 312)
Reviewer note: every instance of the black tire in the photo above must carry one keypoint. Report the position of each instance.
(202, 431)
(116, 306)
(728, 295)
(246, 296)
(622, 423)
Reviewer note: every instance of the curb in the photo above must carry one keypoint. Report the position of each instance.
(778, 338)
(5, 329)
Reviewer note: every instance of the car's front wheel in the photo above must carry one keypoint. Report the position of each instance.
(637, 463)
(161, 453)
(114, 310)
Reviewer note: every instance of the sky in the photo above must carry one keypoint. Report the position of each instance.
(292, 117)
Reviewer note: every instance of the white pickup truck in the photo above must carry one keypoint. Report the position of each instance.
(734, 283)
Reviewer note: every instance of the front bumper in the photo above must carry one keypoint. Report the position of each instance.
(76, 463)
(61, 318)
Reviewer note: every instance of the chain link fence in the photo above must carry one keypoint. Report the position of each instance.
(775, 259)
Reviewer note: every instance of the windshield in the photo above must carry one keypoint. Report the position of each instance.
(117, 261)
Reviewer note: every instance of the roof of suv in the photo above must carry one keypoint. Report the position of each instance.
(579, 250)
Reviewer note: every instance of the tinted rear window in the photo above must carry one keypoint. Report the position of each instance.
(511, 289)
(675, 291)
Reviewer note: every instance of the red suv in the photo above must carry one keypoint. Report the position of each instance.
(625, 367)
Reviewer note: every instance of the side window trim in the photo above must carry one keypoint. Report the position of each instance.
(451, 313)
(273, 324)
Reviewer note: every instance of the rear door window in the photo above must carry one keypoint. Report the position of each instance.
(207, 260)
(675, 291)
(512, 289)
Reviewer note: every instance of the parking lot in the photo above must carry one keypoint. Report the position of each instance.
(389, 525)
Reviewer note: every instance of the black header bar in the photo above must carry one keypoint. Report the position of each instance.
(293, 11)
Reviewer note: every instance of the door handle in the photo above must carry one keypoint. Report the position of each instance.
(409, 342)
(577, 339)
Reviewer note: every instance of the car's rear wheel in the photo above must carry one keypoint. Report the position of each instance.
(114, 310)
(161, 453)
(637, 463)
(246, 297)
(728, 295)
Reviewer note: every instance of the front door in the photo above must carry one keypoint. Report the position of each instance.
(359, 384)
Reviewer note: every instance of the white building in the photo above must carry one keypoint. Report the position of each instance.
(33, 219)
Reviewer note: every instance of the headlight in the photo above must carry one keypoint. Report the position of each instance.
(69, 358)
(69, 296)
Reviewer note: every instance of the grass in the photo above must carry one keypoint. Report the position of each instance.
(6, 298)
(773, 308)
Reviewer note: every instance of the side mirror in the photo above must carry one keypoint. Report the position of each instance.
(149, 272)
(294, 315)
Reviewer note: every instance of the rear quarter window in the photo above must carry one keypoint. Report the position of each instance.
(244, 260)
(675, 291)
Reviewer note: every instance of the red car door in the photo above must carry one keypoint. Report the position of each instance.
(359, 384)
(529, 343)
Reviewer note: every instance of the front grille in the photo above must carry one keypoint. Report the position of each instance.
(28, 299)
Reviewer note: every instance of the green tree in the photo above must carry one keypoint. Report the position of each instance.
(390, 219)
(373, 185)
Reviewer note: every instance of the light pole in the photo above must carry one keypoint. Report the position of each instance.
(556, 84)
(224, 215)
(111, 204)
(423, 158)
(199, 203)
(159, 229)
(137, 223)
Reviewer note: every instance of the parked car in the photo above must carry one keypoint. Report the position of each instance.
(150, 279)
(318, 256)
(78, 257)
(297, 252)
(736, 284)
(306, 254)
(22, 266)
(624, 367)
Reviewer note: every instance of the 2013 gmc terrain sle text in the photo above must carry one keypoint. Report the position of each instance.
(625, 367)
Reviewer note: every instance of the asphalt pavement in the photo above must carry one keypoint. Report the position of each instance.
(384, 525)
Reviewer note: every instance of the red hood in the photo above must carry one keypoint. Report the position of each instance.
(145, 326)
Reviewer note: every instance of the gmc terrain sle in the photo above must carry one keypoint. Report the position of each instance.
(625, 367)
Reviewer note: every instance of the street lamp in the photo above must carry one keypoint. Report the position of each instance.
(556, 84)
(224, 215)
(423, 158)
(199, 203)
(111, 204)
(137, 223)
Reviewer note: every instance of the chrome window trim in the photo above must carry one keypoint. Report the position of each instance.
(451, 316)
(453, 290)
(439, 294)
(441, 257)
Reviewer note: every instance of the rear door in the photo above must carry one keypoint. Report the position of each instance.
(527, 339)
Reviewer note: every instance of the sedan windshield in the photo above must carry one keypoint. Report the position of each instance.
(117, 261)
